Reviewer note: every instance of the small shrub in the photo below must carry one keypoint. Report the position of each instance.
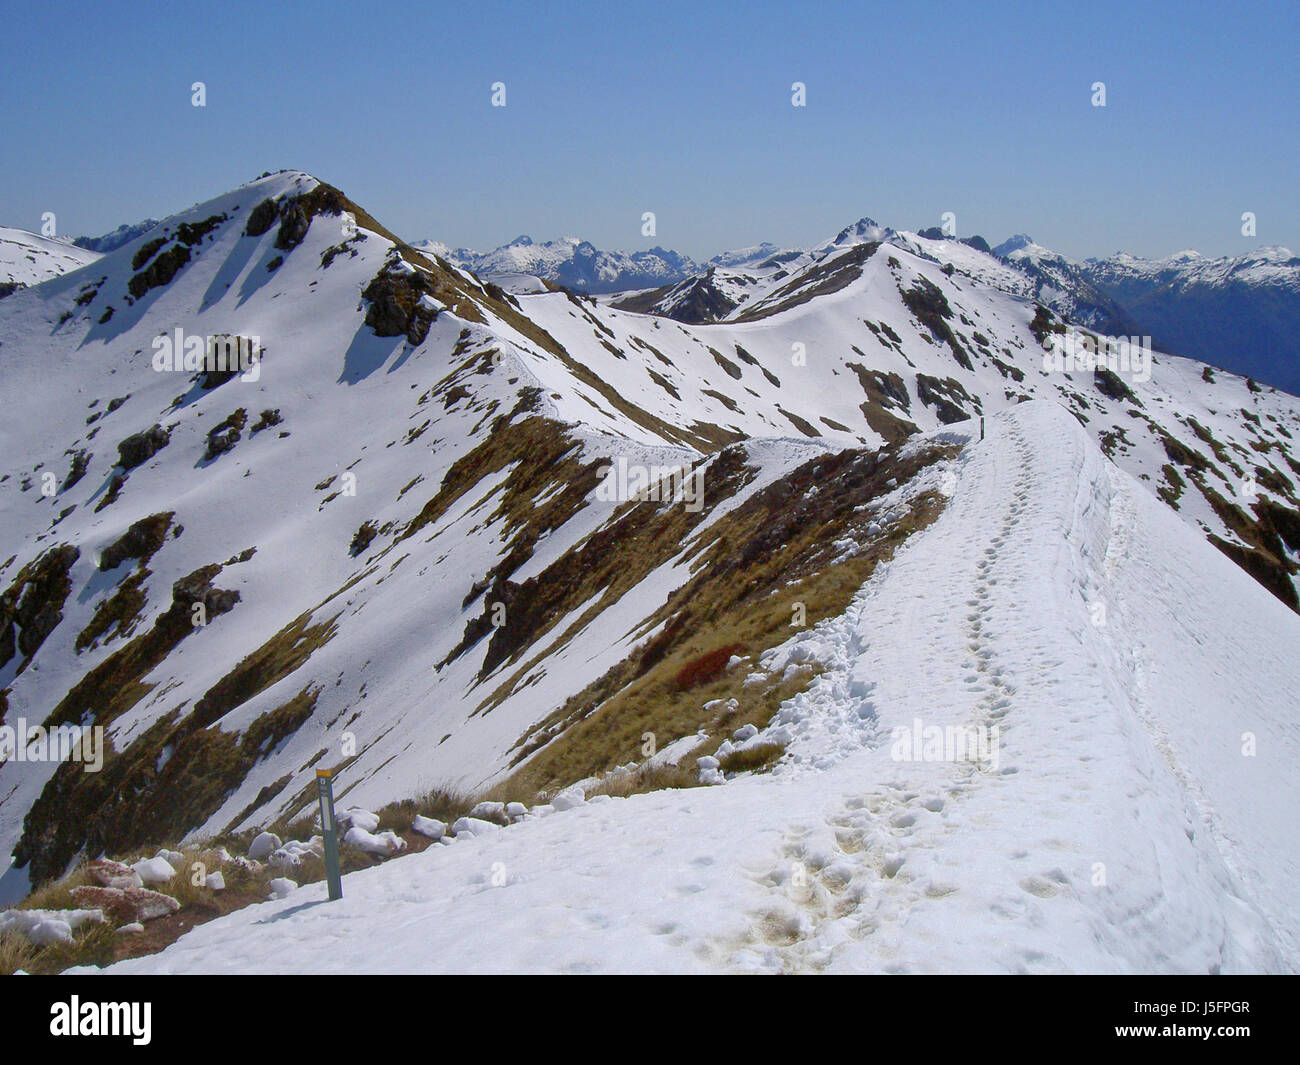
(707, 667)
(362, 538)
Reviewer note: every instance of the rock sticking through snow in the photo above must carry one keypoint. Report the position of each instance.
(263, 844)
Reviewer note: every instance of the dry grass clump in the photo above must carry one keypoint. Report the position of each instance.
(646, 778)
(440, 803)
(755, 758)
(57, 894)
(706, 668)
(15, 953)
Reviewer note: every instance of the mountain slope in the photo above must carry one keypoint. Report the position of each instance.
(28, 259)
(1117, 828)
(396, 531)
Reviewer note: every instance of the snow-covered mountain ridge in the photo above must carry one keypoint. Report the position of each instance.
(1122, 831)
(419, 447)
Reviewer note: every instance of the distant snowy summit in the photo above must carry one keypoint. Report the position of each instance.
(579, 265)
(113, 240)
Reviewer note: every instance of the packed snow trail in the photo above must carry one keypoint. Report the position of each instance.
(1114, 826)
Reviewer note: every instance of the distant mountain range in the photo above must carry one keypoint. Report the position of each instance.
(123, 234)
(581, 266)
(1240, 312)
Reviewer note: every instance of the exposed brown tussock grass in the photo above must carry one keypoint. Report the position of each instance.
(57, 894)
(82, 810)
(751, 759)
(15, 953)
(92, 944)
(762, 561)
(647, 778)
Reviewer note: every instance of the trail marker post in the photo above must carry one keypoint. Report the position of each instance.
(330, 830)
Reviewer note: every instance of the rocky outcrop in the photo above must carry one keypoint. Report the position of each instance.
(160, 271)
(32, 606)
(261, 218)
(125, 905)
(294, 224)
(197, 588)
(398, 305)
(140, 541)
(139, 448)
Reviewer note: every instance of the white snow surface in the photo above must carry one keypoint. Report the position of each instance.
(1129, 824)
(29, 259)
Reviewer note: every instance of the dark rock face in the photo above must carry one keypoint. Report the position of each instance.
(197, 588)
(227, 357)
(140, 541)
(80, 463)
(32, 606)
(37, 627)
(294, 224)
(141, 447)
(8, 644)
(395, 308)
(943, 396)
(702, 303)
(1109, 384)
(146, 252)
(385, 315)
(363, 538)
(506, 638)
(261, 218)
(221, 441)
(160, 271)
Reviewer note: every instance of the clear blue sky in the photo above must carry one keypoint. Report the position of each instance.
(913, 109)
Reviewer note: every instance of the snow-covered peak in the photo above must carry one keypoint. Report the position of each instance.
(28, 259)
(1021, 248)
(1014, 244)
(863, 230)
